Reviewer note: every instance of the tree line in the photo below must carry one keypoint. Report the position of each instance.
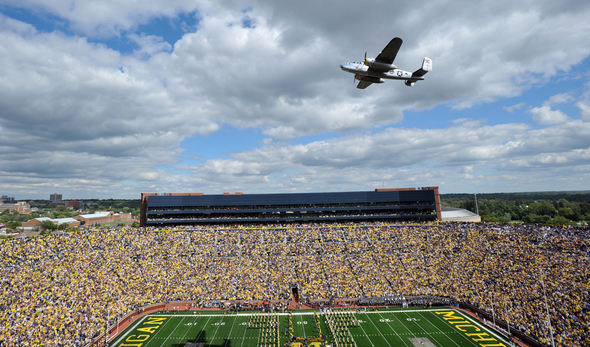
(551, 208)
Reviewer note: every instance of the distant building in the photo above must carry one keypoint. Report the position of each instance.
(452, 214)
(67, 203)
(20, 207)
(8, 199)
(55, 197)
(35, 222)
(97, 218)
(73, 203)
(105, 217)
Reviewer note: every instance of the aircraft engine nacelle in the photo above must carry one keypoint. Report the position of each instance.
(410, 83)
(370, 62)
(369, 79)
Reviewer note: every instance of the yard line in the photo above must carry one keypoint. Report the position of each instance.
(259, 336)
(392, 329)
(230, 330)
(244, 337)
(152, 339)
(402, 323)
(197, 338)
(216, 330)
(172, 332)
(187, 331)
(445, 334)
(303, 327)
(380, 333)
(368, 338)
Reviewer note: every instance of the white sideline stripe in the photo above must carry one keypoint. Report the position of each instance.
(500, 338)
(134, 325)
(130, 329)
(296, 313)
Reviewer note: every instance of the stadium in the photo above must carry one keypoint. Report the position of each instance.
(378, 268)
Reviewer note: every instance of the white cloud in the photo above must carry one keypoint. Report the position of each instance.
(584, 107)
(559, 99)
(513, 108)
(108, 17)
(545, 115)
(76, 113)
(149, 45)
(397, 153)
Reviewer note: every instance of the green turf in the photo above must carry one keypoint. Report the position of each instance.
(380, 328)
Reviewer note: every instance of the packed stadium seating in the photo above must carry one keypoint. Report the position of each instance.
(62, 290)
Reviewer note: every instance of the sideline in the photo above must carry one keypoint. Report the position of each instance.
(296, 313)
(484, 326)
(131, 328)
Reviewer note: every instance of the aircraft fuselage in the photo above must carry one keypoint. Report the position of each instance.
(361, 69)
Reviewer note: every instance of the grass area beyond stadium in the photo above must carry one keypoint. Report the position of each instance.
(433, 327)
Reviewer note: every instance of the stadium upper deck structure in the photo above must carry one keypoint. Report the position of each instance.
(387, 204)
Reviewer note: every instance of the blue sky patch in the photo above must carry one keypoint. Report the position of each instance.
(219, 144)
(41, 20)
(171, 29)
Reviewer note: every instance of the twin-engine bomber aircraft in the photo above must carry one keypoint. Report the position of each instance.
(375, 70)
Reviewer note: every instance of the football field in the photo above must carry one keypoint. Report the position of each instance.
(424, 328)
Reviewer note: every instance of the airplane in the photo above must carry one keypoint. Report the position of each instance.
(375, 70)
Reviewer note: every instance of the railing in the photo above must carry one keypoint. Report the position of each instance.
(529, 340)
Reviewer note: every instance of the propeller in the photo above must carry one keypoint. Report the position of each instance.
(364, 62)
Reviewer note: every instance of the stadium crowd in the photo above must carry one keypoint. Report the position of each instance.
(64, 289)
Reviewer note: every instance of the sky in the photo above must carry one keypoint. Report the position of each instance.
(108, 99)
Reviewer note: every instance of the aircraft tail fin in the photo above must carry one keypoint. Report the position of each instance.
(426, 66)
(418, 74)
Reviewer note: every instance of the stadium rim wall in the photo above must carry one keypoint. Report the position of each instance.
(238, 198)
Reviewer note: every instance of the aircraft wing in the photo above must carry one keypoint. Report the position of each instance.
(363, 84)
(388, 54)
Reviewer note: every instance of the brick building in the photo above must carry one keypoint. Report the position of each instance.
(37, 222)
(104, 217)
(20, 207)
